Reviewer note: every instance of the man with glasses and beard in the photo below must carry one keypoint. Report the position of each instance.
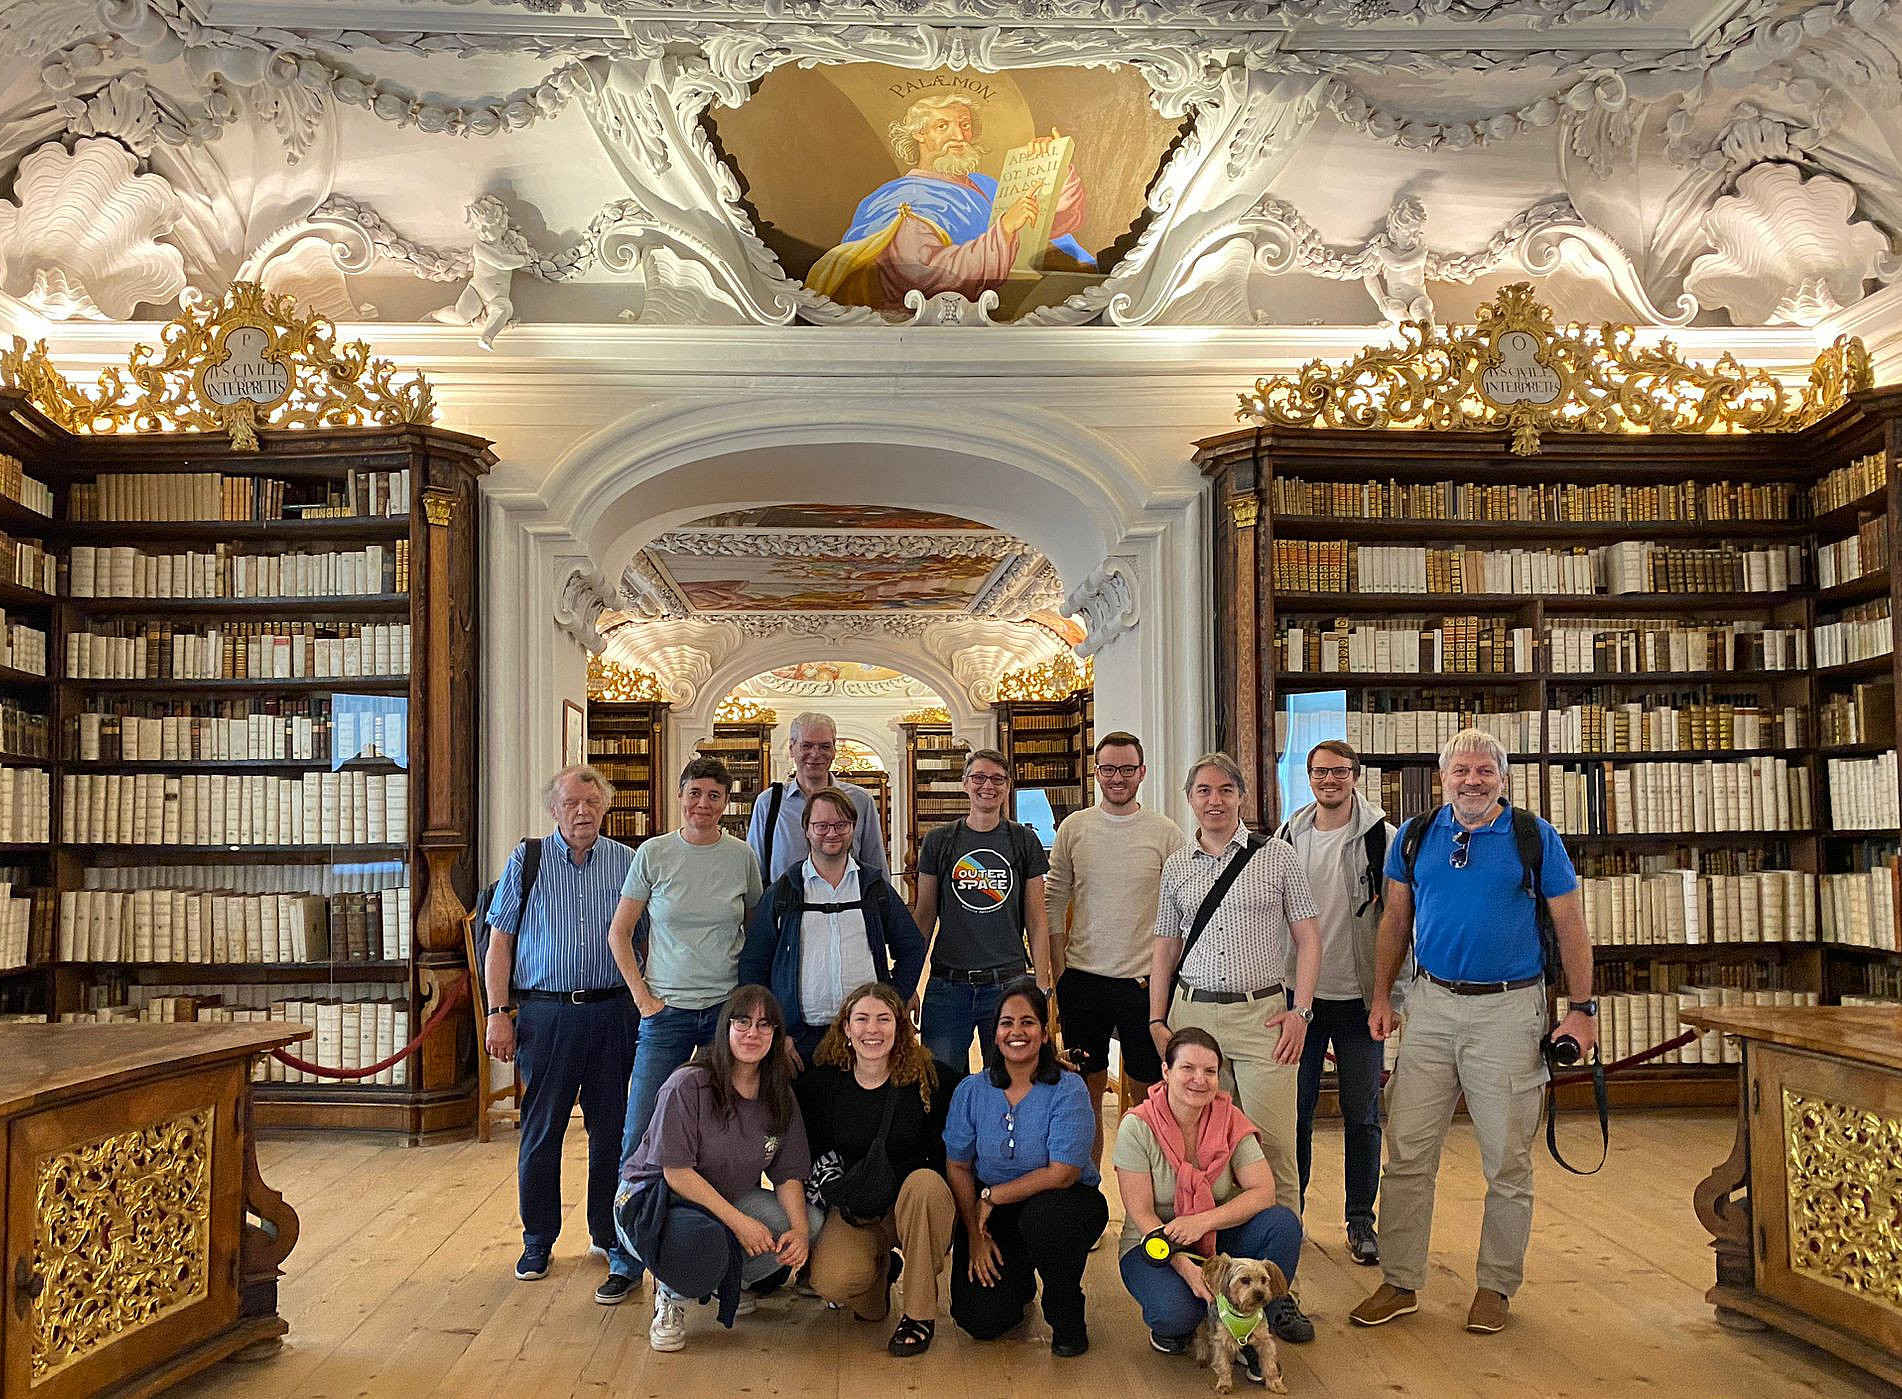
(1341, 840)
(1462, 895)
(1105, 875)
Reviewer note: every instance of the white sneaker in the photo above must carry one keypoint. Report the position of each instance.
(668, 1330)
(748, 1304)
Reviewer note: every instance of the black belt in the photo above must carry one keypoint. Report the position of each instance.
(996, 976)
(1481, 988)
(575, 998)
(1230, 998)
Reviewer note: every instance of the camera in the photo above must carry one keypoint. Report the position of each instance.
(1562, 1051)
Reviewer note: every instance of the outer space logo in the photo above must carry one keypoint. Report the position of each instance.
(981, 881)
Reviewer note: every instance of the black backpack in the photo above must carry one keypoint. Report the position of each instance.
(531, 849)
(787, 901)
(1373, 878)
(1531, 847)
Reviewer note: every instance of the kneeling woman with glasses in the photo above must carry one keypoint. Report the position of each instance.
(1019, 1149)
(691, 1207)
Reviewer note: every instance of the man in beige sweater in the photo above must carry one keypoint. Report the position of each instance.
(1105, 870)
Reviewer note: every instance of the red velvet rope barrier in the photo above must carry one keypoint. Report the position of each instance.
(457, 994)
(1584, 1075)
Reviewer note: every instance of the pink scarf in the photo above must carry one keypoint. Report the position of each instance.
(1223, 1129)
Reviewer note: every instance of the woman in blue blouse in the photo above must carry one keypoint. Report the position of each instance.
(1019, 1150)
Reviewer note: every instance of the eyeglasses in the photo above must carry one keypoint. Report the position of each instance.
(986, 779)
(830, 828)
(1330, 774)
(1462, 848)
(1118, 769)
(1010, 1134)
(743, 1023)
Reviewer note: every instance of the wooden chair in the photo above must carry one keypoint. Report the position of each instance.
(486, 1094)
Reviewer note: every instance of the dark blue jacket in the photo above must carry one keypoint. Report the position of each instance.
(771, 955)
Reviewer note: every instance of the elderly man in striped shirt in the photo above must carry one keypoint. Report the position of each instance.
(574, 1024)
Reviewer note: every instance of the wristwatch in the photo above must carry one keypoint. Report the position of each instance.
(1588, 1006)
(1305, 1012)
(985, 1195)
(502, 1009)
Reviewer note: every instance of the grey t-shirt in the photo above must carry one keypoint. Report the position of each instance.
(1323, 855)
(981, 877)
(731, 1150)
(700, 897)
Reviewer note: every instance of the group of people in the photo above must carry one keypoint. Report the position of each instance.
(774, 1078)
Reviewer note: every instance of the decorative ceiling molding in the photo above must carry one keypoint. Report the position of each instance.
(581, 596)
(1107, 604)
(649, 593)
(853, 544)
(1025, 584)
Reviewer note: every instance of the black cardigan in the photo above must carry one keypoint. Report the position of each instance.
(843, 1117)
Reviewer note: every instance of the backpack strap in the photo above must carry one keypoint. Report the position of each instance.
(1212, 901)
(1526, 837)
(772, 823)
(1374, 845)
(531, 868)
(1412, 837)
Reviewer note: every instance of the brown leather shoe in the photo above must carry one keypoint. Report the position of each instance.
(1387, 1303)
(1488, 1312)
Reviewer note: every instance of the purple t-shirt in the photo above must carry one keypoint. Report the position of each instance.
(730, 1150)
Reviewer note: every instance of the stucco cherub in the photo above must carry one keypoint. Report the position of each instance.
(1394, 264)
(499, 252)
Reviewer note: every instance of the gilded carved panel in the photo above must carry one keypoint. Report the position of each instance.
(123, 1236)
(1844, 1166)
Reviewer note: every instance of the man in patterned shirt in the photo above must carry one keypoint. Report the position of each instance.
(1230, 977)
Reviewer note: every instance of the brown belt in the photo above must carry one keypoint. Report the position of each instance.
(1480, 988)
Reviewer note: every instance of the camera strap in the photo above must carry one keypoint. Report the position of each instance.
(1604, 1118)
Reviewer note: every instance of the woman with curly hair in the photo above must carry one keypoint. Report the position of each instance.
(872, 1079)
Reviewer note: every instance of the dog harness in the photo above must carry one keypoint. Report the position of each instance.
(1241, 1325)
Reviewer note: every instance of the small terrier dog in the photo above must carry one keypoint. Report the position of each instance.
(1242, 1288)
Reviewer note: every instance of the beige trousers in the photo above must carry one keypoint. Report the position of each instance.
(1488, 1048)
(1264, 1090)
(849, 1260)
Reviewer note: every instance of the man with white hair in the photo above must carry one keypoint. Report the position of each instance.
(777, 830)
(931, 229)
(558, 1007)
(1474, 888)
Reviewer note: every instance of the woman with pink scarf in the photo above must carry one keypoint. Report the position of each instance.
(1189, 1163)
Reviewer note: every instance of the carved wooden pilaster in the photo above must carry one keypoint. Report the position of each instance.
(1245, 515)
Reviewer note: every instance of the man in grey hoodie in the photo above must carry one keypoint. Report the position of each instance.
(1331, 837)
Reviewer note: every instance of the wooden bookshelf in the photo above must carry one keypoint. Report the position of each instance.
(28, 778)
(1542, 709)
(418, 725)
(934, 787)
(878, 782)
(627, 742)
(1047, 743)
(746, 748)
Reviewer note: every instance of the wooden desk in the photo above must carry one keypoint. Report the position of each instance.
(1806, 1215)
(130, 1167)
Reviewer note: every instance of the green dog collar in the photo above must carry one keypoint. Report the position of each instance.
(1241, 1325)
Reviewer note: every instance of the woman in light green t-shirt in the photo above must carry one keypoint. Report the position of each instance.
(1189, 1163)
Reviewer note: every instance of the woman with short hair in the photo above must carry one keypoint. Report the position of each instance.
(869, 1063)
(1019, 1148)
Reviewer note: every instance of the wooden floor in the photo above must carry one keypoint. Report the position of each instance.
(401, 1286)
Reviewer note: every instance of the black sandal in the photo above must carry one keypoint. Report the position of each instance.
(911, 1337)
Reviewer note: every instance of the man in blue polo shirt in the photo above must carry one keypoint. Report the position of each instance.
(1475, 1015)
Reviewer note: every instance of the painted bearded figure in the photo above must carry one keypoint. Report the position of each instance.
(931, 228)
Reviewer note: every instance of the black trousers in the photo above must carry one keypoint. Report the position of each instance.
(569, 1052)
(1046, 1237)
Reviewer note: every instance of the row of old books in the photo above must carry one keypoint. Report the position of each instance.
(303, 729)
(159, 925)
(1682, 906)
(1861, 714)
(1635, 727)
(1631, 1022)
(123, 571)
(176, 496)
(22, 489)
(1631, 566)
(24, 733)
(318, 808)
(24, 921)
(1859, 907)
(1031, 748)
(1534, 504)
(1865, 551)
(238, 650)
(26, 803)
(1635, 647)
(27, 563)
(1859, 633)
(1640, 566)
(1458, 645)
(21, 646)
(1862, 477)
(1426, 729)
(1862, 793)
(1753, 794)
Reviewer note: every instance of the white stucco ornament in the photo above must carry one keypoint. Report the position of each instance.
(81, 242)
(1788, 249)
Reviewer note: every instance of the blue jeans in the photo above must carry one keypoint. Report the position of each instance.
(1357, 1064)
(953, 1010)
(1170, 1308)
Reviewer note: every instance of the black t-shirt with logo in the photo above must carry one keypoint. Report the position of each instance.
(981, 878)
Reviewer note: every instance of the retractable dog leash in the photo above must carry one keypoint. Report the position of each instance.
(1158, 1248)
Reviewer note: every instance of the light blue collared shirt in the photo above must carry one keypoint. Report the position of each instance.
(562, 944)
